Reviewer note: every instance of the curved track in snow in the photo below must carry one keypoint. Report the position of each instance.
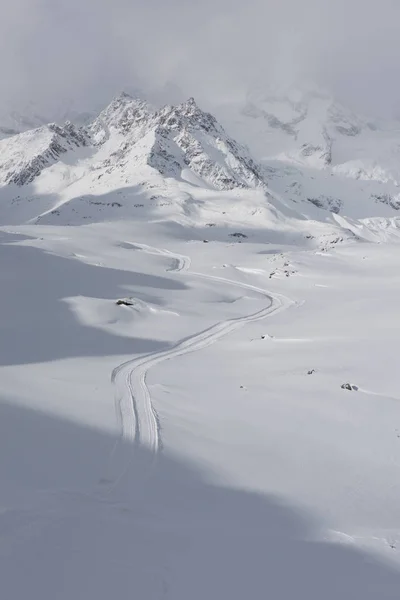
(137, 417)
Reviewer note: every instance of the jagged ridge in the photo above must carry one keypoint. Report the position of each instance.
(178, 137)
(27, 154)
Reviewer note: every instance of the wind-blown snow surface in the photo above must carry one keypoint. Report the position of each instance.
(177, 447)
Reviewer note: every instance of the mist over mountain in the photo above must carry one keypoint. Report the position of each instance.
(80, 54)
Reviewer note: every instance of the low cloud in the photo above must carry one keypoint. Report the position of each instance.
(53, 52)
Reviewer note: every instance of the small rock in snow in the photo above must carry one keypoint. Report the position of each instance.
(125, 302)
(349, 386)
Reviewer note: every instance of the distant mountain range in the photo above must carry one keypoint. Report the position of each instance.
(296, 162)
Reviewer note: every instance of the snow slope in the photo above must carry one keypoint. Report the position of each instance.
(195, 442)
(26, 155)
(191, 454)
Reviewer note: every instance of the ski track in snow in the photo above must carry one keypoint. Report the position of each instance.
(137, 417)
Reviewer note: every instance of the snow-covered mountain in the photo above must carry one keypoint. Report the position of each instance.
(23, 157)
(134, 161)
(318, 150)
(22, 116)
(172, 140)
(298, 163)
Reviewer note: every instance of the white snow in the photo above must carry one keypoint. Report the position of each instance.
(197, 443)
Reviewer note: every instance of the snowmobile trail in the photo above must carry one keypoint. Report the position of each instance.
(137, 417)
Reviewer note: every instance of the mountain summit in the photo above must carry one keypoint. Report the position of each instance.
(294, 159)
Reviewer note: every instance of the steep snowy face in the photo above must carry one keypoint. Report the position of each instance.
(23, 157)
(194, 140)
(310, 129)
(298, 127)
(174, 140)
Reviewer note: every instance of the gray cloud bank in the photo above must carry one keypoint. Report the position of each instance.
(56, 51)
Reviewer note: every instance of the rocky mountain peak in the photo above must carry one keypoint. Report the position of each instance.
(123, 115)
(187, 115)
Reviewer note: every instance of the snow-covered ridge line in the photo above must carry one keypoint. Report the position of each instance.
(177, 137)
(170, 140)
(23, 157)
(136, 161)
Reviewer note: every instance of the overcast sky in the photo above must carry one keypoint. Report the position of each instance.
(52, 51)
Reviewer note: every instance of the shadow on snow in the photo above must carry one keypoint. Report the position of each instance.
(37, 326)
(168, 534)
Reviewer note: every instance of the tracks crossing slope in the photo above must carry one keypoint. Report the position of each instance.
(138, 419)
